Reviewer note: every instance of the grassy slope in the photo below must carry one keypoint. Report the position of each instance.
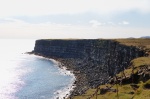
(126, 91)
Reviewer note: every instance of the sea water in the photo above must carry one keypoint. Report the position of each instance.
(24, 76)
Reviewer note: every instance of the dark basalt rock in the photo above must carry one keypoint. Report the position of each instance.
(93, 61)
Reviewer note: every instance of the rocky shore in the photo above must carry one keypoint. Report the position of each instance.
(93, 62)
(80, 84)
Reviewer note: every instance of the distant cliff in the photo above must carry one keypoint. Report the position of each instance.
(93, 61)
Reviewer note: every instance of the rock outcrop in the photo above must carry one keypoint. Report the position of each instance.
(92, 61)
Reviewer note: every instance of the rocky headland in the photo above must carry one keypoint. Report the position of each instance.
(94, 62)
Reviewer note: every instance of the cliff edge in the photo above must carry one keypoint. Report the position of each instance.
(94, 62)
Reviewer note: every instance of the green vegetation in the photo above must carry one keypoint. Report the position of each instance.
(141, 61)
(135, 42)
(125, 92)
(139, 67)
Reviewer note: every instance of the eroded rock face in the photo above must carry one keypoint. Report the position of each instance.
(97, 59)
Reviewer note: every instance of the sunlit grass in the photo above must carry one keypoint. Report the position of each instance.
(141, 61)
(135, 42)
(125, 92)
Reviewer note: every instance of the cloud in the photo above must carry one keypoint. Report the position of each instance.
(15, 28)
(125, 22)
(10, 20)
(52, 18)
(48, 7)
(95, 23)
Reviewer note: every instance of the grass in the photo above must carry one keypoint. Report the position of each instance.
(136, 63)
(135, 42)
(124, 93)
(141, 61)
(127, 73)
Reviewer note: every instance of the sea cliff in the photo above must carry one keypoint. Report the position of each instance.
(93, 62)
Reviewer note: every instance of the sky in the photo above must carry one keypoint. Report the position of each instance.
(88, 19)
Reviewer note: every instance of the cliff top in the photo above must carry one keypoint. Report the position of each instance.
(129, 42)
(141, 43)
(135, 42)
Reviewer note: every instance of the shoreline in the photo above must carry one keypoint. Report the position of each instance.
(65, 71)
(79, 86)
(68, 89)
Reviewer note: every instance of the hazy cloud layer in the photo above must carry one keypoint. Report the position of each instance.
(74, 18)
(20, 29)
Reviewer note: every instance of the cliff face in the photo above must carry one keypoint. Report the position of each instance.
(97, 60)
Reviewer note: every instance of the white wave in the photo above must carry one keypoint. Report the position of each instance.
(64, 93)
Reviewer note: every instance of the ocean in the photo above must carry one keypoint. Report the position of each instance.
(24, 76)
